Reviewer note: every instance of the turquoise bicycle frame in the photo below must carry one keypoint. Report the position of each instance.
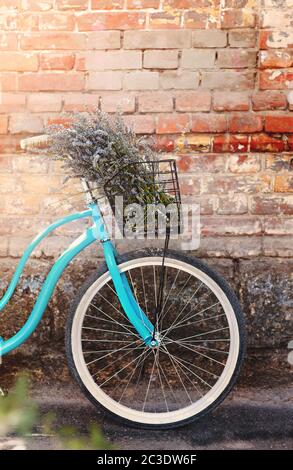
(97, 232)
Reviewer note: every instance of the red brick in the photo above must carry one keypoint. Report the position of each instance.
(237, 19)
(281, 123)
(184, 4)
(61, 61)
(9, 144)
(111, 20)
(137, 4)
(10, 4)
(236, 58)
(111, 60)
(197, 58)
(284, 183)
(141, 80)
(266, 143)
(55, 41)
(155, 101)
(249, 184)
(160, 59)
(242, 38)
(157, 39)
(279, 162)
(12, 102)
(279, 18)
(213, 226)
(196, 19)
(44, 102)
(275, 79)
(23, 123)
(276, 39)
(8, 81)
(72, 4)
(245, 123)
(37, 5)
(272, 204)
(290, 142)
(107, 4)
(231, 101)
(232, 204)
(59, 121)
(28, 22)
(21, 62)
(188, 185)
(140, 124)
(209, 38)
(178, 80)
(193, 143)
(3, 124)
(228, 80)
(165, 20)
(276, 59)
(244, 163)
(8, 41)
(51, 81)
(202, 163)
(230, 143)
(209, 123)
(268, 100)
(77, 102)
(163, 143)
(111, 103)
(173, 123)
(104, 81)
(193, 100)
(275, 226)
(56, 22)
(104, 40)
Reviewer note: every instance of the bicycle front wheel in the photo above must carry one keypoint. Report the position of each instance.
(201, 341)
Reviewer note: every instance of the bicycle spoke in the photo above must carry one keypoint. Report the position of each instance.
(196, 314)
(107, 331)
(183, 372)
(206, 333)
(182, 310)
(106, 355)
(116, 373)
(131, 375)
(178, 295)
(112, 321)
(180, 325)
(189, 370)
(196, 346)
(172, 362)
(149, 383)
(193, 350)
(200, 354)
(161, 382)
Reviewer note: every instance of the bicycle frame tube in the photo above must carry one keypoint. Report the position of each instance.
(97, 232)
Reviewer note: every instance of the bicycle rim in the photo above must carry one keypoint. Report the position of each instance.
(196, 358)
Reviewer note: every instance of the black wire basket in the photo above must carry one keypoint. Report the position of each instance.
(145, 198)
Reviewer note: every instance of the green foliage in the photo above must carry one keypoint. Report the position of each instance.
(18, 413)
(95, 440)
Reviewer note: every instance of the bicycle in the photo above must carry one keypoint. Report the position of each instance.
(154, 336)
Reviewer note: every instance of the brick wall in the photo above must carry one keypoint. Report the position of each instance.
(211, 79)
